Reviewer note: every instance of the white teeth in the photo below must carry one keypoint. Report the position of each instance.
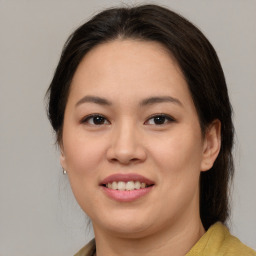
(130, 185)
(121, 185)
(114, 185)
(137, 184)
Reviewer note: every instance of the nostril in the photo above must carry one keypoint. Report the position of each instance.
(125, 161)
(126, 152)
(124, 158)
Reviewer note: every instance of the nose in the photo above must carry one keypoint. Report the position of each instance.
(126, 145)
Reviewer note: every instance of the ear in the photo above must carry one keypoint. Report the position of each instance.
(212, 144)
(63, 158)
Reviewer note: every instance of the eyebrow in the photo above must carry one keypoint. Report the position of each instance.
(161, 99)
(145, 102)
(93, 99)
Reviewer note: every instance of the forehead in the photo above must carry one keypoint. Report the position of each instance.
(129, 67)
(127, 54)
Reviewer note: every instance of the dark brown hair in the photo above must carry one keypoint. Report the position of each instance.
(201, 68)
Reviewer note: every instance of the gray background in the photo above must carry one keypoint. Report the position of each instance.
(38, 214)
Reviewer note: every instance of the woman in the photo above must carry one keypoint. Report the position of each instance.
(142, 116)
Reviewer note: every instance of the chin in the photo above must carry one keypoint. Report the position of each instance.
(131, 224)
(132, 231)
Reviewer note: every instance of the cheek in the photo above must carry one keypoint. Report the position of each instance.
(83, 154)
(178, 162)
(84, 160)
(178, 159)
(178, 151)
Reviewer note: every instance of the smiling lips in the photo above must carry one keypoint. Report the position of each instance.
(126, 187)
(130, 185)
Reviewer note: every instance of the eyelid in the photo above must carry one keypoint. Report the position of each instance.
(168, 117)
(86, 118)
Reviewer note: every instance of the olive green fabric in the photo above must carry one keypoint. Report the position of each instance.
(217, 241)
(88, 250)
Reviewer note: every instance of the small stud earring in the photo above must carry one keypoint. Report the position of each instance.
(64, 171)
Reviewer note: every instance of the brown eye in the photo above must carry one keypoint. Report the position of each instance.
(159, 120)
(95, 120)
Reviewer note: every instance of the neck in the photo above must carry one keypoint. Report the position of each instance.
(178, 240)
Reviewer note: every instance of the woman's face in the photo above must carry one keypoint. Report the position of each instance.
(130, 122)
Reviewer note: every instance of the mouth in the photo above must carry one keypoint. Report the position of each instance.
(128, 181)
(126, 187)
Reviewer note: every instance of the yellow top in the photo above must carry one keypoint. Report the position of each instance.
(217, 241)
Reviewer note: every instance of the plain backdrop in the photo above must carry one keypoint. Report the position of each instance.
(38, 214)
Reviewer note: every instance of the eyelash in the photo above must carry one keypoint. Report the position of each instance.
(167, 118)
(87, 118)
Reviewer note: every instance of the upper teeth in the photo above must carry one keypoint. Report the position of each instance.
(130, 185)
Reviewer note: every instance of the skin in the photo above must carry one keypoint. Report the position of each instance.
(172, 154)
